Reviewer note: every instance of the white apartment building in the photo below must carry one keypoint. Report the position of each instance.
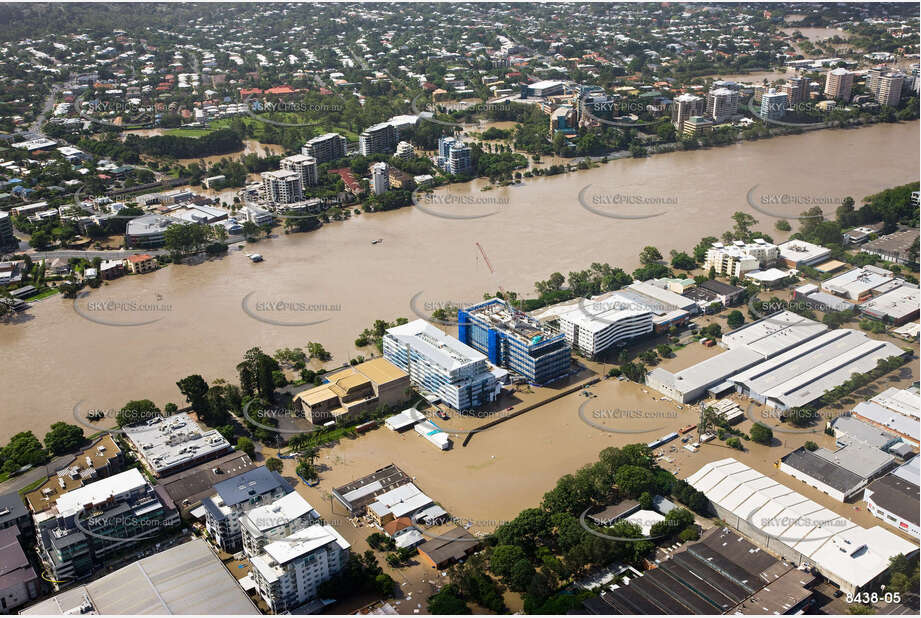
(304, 166)
(289, 570)
(594, 326)
(885, 86)
(282, 187)
(838, 84)
(327, 147)
(380, 178)
(274, 521)
(739, 258)
(378, 138)
(685, 106)
(441, 367)
(405, 151)
(722, 104)
(236, 496)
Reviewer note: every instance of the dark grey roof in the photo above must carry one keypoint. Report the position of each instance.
(721, 572)
(822, 470)
(255, 482)
(11, 508)
(197, 483)
(897, 496)
(14, 566)
(719, 287)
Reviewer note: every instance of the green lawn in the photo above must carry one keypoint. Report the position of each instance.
(187, 132)
(43, 294)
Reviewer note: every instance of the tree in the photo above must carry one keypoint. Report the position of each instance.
(520, 576)
(138, 411)
(246, 445)
(194, 388)
(810, 445)
(782, 225)
(683, 261)
(503, 558)
(649, 255)
(633, 480)
(734, 442)
(274, 464)
(23, 449)
(384, 584)
(743, 223)
(761, 434)
(735, 319)
(446, 602)
(63, 438)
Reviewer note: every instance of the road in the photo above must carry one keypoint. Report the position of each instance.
(38, 472)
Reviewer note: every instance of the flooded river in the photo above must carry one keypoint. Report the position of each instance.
(134, 337)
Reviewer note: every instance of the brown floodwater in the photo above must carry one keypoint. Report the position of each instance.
(200, 318)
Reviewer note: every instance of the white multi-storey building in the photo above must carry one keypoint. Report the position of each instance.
(323, 148)
(838, 84)
(685, 106)
(304, 166)
(282, 187)
(378, 138)
(594, 326)
(441, 367)
(380, 178)
(289, 570)
(236, 496)
(722, 104)
(275, 520)
(739, 258)
(405, 151)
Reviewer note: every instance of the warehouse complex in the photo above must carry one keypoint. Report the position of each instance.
(784, 361)
(797, 529)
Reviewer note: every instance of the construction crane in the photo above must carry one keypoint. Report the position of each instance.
(485, 258)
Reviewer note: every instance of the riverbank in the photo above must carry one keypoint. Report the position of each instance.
(58, 358)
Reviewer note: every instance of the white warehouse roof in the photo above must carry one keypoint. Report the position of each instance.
(831, 542)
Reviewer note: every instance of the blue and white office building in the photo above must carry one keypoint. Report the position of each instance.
(454, 156)
(515, 341)
(440, 367)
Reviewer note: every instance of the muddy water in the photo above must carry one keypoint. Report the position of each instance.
(817, 34)
(188, 319)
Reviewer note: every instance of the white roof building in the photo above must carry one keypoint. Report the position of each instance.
(774, 334)
(803, 373)
(100, 491)
(801, 253)
(860, 282)
(801, 530)
(905, 401)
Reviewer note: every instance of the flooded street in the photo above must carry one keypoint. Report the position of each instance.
(135, 336)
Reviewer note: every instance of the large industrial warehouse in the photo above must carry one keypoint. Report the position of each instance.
(795, 528)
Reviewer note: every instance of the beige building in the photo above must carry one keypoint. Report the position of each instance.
(685, 106)
(140, 264)
(354, 390)
(738, 258)
(101, 459)
(838, 84)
